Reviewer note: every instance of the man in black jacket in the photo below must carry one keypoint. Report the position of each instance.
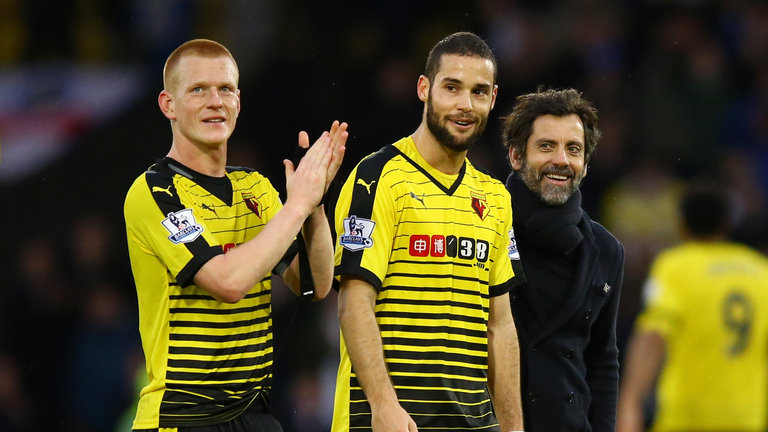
(566, 310)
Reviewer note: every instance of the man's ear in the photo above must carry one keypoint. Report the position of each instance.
(515, 158)
(494, 93)
(584, 173)
(165, 101)
(422, 88)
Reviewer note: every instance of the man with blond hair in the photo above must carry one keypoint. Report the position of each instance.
(204, 239)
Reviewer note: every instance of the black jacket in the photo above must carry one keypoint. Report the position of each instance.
(569, 363)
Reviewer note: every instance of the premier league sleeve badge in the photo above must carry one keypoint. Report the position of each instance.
(182, 226)
(357, 233)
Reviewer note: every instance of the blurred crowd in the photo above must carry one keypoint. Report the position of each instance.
(681, 85)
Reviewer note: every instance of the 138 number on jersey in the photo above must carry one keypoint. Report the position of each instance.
(450, 246)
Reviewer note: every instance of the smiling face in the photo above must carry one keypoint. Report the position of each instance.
(202, 100)
(459, 100)
(553, 165)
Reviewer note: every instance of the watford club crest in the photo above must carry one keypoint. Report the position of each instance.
(252, 204)
(479, 205)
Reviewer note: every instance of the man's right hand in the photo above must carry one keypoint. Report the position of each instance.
(392, 418)
(307, 183)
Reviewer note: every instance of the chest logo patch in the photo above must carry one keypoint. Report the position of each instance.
(182, 226)
(251, 203)
(357, 233)
(480, 205)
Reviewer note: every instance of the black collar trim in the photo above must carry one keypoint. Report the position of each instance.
(448, 191)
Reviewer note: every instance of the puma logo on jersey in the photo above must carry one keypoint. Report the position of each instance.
(367, 185)
(159, 189)
(419, 199)
(206, 207)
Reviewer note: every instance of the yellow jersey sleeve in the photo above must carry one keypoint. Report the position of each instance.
(162, 225)
(661, 294)
(365, 223)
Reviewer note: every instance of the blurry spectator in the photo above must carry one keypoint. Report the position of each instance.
(682, 89)
(747, 123)
(13, 33)
(306, 339)
(93, 252)
(305, 399)
(99, 380)
(40, 319)
(741, 175)
(15, 407)
(640, 209)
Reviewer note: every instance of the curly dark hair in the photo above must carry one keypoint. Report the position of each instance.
(518, 125)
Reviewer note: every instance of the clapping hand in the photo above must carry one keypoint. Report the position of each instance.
(309, 181)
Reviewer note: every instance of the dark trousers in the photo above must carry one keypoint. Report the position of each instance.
(254, 419)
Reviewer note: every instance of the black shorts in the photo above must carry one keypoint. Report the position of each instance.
(255, 418)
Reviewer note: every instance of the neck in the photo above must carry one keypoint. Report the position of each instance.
(210, 161)
(553, 228)
(437, 155)
(705, 238)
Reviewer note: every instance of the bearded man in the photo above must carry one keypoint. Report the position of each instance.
(565, 311)
(422, 260)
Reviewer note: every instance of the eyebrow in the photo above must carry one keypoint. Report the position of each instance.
(458, 81)
(451, 80)
(207, 84)
(554, 141)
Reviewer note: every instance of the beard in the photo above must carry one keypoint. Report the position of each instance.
(446, 138)
(548, 193)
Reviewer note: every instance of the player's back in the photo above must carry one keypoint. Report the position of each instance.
(710, 301)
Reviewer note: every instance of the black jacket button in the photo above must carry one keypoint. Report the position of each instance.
(571, 397)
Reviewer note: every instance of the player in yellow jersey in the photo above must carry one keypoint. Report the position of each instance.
(703, 331)
(203, 239)
(422, 257)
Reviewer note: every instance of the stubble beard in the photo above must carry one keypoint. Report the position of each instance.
(446, 138)
(550, 194)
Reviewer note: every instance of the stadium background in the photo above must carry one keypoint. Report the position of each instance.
(682, 87)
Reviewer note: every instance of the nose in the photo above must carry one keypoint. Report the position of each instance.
(560, 156)
(215, 100)
(465, 101)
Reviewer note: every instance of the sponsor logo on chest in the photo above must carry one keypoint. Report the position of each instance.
(438, 246)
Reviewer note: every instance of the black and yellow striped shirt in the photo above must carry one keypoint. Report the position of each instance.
(206, 360)
(436, 248)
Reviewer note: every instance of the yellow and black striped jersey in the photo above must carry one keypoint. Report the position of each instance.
(436, 248)
(710, 302)
(206, 360)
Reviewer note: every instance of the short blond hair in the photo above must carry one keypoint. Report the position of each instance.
(195, 47)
